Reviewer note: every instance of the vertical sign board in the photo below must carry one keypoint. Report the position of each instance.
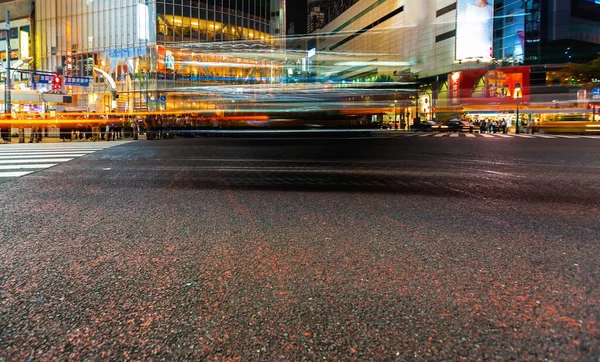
(454, 88)
(474, 29)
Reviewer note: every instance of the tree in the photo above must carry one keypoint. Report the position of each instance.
(582, 74)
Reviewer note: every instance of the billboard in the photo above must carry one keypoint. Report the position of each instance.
(508, 85)
(510, 31)
(489, 87)
(474, 29)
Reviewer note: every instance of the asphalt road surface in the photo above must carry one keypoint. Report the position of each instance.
(403, 248)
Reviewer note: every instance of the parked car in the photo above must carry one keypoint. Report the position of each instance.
(455, 125)
(424, 126)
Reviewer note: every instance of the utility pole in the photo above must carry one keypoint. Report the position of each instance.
(517, 124)
(7, 81)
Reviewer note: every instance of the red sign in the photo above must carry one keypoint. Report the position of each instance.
(454, 88)
(489, 87)
(161, 58)
(508, 85)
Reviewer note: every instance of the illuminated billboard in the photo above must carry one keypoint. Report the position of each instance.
(507, 85)
(509, 23)
(474, 29)
(489, 87)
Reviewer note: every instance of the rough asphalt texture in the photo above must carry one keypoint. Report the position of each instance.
(363, 249)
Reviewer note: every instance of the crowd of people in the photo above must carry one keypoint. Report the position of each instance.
(491, 126)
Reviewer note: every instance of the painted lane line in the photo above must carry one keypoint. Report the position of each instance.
(425, 135)
(35, 153)
(440, 135)
(454, 135)
(26, 167)
(63, 148)
(42, 156)
(15, 174)
(470, 135)
(37, 160)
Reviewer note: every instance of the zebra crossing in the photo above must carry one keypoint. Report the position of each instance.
(20, 159)
(483, 135)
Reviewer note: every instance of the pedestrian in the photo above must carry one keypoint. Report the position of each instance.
(33, 134)
(504, 130)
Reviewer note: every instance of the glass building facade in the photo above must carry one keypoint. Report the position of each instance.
(156, 55)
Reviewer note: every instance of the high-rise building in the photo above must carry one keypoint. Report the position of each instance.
(317, 15)
(321, 12)
(19, 36)
(146, 54)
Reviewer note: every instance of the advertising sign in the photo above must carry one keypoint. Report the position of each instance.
(38, 78)
(42, 78)
(454, 88)
(510, 31)
(77, 81)
(507, 85)
(474, 29)
(489, 87)
(161, 58)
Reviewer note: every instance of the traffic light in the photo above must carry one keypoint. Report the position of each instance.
(56, 82)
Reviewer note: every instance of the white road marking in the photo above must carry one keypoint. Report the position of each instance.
(487, 135)
(523, 136)
(2, 157)
(544, 136)
(426, 135)
(15, 174)
(504, 135)
(454, 135)
(440, 135)
(25, 167)
(37, 153)
(470, 135)
(15, 158)
(37, 160)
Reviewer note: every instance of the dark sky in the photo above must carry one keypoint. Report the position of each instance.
(296, 13)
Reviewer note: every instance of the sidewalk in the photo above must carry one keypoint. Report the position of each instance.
(15, 140)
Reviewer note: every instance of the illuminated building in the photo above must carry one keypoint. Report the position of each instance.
(21, 43)
(145, 55)
(425, 41)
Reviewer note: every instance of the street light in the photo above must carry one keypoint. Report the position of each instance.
(516, 95)
(395, 120)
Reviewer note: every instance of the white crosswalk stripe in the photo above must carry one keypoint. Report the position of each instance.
(490, 135)
(19, 159)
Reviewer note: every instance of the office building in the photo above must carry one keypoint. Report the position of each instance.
(147, 55)
(482, 45)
